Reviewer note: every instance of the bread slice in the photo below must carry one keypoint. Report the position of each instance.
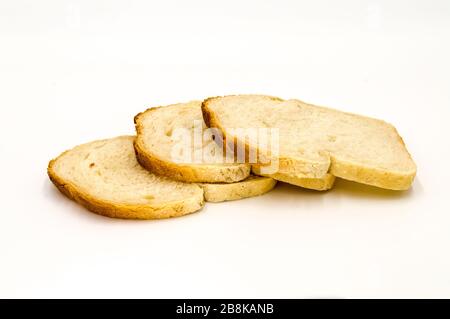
(158, 136)
(318, 184)
(249, 187)
(314, 141)
(105, 177)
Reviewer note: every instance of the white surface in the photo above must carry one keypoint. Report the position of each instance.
(75, 71)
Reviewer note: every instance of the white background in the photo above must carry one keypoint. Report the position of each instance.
(75, 71)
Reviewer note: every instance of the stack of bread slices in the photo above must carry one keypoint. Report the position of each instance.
(185, 154)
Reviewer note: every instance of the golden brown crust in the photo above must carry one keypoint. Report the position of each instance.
(184, 173)
(121, 210)
(250, 187)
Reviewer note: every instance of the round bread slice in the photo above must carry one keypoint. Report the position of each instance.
(318, 184)
(105, 177)
(158, 135)
(249, 187)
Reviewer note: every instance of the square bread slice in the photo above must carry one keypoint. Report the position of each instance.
(105, 177)
(314, 141)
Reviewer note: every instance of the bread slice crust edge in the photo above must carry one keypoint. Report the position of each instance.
(250, 187)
